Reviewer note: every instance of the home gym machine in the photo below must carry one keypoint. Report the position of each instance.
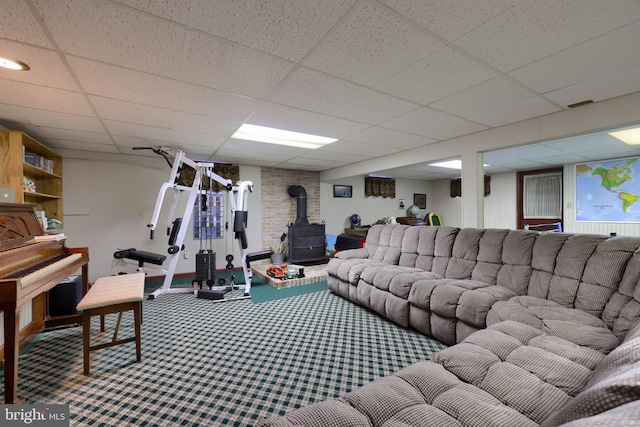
(186, 178)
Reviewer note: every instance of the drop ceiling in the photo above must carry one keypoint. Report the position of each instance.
(381, 76)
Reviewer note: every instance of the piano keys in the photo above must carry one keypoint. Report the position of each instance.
(30, 267)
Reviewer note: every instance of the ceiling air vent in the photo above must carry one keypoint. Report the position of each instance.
(578, 104)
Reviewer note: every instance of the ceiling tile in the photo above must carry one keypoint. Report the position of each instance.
(83, 146)
(220, 64)
(531, 30)
(436, 15)
(126, 143)
(433, 124)
(487, 94)
(110, 81)
(559, 159)
(288, 29)
(77, 136)
(516, 111)
(46, 67)
(44, 98)
(194, 152)
(18, 23)
(245, 157)
(283, 117)
(111, 109)
(254, 148)
(104, 31)
(612, 52)
(52, 119)
(204, 124)
(390, 138)
(215, 103)
(370, 46)
(598, 89)
(173, 10)
(196, 138)
(315, 91)
(439, 75)
(123, 132)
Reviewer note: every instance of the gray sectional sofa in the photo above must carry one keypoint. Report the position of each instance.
(544, 328)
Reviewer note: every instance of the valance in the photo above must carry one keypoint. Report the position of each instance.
(379, 187)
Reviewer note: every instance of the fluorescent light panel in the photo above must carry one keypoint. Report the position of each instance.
(281, 137)
(629, 136)
(451, 164)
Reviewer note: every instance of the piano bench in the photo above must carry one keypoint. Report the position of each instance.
(113, 294)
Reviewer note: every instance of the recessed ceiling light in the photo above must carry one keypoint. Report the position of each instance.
(629, 136)
(451, 164)
(13, 64)
(281, 137)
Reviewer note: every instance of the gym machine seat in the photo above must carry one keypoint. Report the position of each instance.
(140, 256)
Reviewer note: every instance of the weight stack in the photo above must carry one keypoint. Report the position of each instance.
(205, 266)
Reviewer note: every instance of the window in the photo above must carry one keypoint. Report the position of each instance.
(209, 223)
(542, 196)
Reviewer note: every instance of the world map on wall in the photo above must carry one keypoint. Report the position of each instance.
(608, 191)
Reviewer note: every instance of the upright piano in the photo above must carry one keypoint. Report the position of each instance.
(31, 263)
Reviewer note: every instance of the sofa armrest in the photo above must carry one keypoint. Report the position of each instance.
(353, 253)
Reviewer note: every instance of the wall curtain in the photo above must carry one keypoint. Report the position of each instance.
(456, 186)
(379, 187)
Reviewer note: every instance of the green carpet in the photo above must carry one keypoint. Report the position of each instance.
(208, 364)
(260, 290)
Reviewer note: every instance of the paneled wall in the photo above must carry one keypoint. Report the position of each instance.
(500, 210)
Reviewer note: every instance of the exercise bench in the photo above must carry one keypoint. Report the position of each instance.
(113, 294)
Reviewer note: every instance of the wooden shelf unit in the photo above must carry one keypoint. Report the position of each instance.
(48, 195)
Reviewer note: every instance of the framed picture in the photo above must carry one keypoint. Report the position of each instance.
(420, 200)
(342, 191)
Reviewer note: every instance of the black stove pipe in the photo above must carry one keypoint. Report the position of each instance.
(300, 194)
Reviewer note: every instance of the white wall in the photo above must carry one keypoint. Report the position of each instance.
(117, 202)
(336, 211)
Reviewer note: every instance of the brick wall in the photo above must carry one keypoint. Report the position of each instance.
(278, 208)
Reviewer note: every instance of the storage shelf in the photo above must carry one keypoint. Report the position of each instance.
(29, 169)
(43, 196)
(14, 169)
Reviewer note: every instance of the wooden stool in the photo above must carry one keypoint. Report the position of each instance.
(113, 294)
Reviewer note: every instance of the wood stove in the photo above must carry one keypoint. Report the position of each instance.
(307, 242)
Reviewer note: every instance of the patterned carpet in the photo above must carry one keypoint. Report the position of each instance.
(216, 364)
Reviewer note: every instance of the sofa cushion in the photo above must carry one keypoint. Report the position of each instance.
(421, 394)
(621, 416)
(615, 382)
(523, 367)
(552, 318)
(623, 308)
